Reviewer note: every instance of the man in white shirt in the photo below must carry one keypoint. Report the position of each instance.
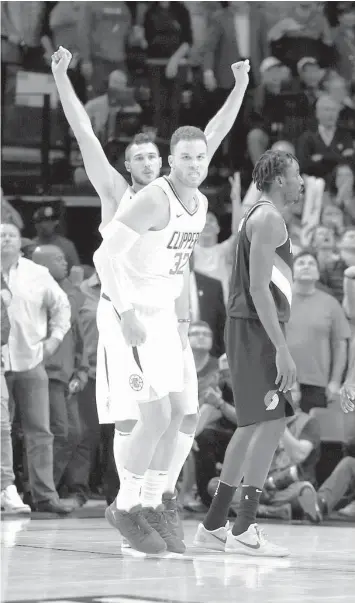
(39, 317)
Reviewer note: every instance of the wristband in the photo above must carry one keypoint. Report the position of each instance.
(184, 320)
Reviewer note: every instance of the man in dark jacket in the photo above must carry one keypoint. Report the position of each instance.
(66, 368)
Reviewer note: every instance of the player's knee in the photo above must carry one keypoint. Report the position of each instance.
(156, 416)
(189, 424)
(125, 426)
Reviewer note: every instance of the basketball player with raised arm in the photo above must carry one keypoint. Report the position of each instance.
(181, 248)
(260, 363)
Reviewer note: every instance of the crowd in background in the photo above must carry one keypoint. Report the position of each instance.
(154, 66)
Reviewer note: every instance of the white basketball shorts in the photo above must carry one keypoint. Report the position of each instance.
(126, 376)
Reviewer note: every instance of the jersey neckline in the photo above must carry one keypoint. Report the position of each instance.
(174, 191)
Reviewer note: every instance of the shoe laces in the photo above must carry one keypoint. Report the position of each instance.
(139, 523)
(261, 534)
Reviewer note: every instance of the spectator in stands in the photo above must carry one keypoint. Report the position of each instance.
(76, 478)
(103, 33)
(39, 317)
(66, 368)
(320, 151)
(310, 75)
(22, 28)
(264, 110)
(344, 40)
(115, 112)
(341, 192)
(317, 335)
(323, 246)
(304, 32)
(218, 420)
(10, 499)
(292, 476)
(9, 214)
(215, 259)
(338, 89)
(63, 31)
(46, 222)
(332, 491)
(167, 28)
(236, 31)
(207, 304)
(332, 276)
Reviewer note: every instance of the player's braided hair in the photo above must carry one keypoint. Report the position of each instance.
(270, 165)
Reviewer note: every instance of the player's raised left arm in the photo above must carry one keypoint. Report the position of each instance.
(219, 126)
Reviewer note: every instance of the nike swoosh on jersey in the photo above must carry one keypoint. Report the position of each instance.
(250, 546)
(179, 215)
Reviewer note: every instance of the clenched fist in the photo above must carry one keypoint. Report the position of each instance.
(241, 72)
(61, 61)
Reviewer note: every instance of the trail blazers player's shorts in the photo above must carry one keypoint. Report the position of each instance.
(127, 376)
(251, 359)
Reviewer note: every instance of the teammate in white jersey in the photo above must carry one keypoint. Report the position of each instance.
(180, 245)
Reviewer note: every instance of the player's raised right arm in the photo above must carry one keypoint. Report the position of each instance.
(104, 178)
(267, 233)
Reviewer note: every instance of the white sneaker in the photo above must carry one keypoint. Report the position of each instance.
(214, 540)
(253, 542)
(11, 502)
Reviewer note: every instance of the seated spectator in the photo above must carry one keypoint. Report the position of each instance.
(338, 89)
(319, 152)
(264, 109)
(217, 414)
(10, 499)
(341, 192)
(341, 482)
(332, 276)
(46, 223)
(304, 32)
(39, 318)
(215, 259)
(344, 40)
(310, 75)
(115, 112)
(66, 368)
(317, 336)
(292, 475)
(103, 33)
(207, 304)
(168, 33)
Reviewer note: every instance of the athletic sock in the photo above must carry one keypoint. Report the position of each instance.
(247, 509)
(152, 488)
(130, 488)
(120, 443)
(182, 451)
(218, 512)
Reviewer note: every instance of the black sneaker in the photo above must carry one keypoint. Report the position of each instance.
(157, 520)
(172, 515)
(135, 529)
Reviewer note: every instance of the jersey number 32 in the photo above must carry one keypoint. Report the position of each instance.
(181, 260)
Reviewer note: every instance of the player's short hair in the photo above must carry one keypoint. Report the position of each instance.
(140, 138)
(9, 222)
(270, 165)
(305, 253)
(186, 133)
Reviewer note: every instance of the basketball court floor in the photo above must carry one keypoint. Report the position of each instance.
(79, 560)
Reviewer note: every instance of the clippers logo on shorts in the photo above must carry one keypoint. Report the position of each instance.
(271, 400)
(136, 383)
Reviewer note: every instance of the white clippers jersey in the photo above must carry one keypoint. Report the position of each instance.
(154, 266)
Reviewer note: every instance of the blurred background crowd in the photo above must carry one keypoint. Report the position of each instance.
(152, 66)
